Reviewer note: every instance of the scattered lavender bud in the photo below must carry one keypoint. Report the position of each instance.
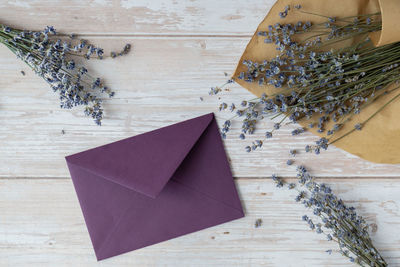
(278, 181)
(223, 106)
(258, 143)
(258, 223)
(268, 134)
(124, 51)
(358, 126)
(214, 90)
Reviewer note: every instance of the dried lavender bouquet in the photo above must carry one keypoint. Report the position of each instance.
(52, 58)
(314, 81)
(336, 221)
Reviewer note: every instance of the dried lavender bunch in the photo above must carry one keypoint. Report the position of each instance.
(51, 58)
(337, 221)
(315, 81)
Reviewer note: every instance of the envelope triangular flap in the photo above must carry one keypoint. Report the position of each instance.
(145, 162)
(206, 170)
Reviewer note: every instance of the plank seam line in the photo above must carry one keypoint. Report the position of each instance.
(151, 35)
(236, 178)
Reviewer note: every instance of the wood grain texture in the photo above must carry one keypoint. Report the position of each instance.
(138, 17)
(158, 84)
(42, 225)
(181, 48)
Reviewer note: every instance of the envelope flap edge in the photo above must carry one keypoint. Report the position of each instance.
(146, 162)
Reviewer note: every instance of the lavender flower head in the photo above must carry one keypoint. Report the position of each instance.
(52, 59)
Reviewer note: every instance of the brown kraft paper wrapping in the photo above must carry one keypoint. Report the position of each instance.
(379, 139)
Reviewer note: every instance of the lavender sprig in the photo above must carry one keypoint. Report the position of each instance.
(52, 59)
(337, 221)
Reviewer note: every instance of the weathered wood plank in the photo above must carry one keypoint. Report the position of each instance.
(204, 17)
(41, 224)
(158, 84)
(180, 49)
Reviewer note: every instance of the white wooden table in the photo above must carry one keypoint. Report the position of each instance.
(181, 48)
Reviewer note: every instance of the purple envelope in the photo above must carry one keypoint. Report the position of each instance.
(155, 186)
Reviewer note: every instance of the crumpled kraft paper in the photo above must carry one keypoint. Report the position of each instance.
(379, 139)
